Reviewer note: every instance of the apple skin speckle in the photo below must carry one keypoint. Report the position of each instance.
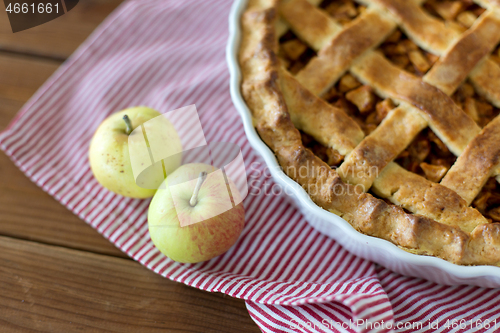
(109, 154)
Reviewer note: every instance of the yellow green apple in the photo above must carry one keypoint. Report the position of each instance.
(109, 152)
(193, 217)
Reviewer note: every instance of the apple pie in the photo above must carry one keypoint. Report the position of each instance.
(386, 112)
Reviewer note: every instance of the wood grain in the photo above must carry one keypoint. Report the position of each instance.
(60, 37)
(52, 289)
(20, 78)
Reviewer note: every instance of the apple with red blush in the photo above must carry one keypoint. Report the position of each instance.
(196, 215)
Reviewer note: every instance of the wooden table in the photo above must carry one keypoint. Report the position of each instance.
(57, 273)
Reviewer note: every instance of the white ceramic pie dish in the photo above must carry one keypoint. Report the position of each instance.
(371, 248)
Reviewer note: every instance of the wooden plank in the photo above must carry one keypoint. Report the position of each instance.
(51, 289)
(20, 78)
(60, 37)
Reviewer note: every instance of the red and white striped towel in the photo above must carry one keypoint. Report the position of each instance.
(167, 54)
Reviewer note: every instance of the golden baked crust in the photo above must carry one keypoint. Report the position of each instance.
(423, 217)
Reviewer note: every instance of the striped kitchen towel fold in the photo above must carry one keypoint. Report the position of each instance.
(167, 54)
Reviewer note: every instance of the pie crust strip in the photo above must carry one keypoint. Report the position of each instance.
(316, 28)
(486, 79)
(329, 125)
(282, 26)
(379, 148)
(426, 31)
(422, 196)
(476, 164)
(336, 55)
(456, 64)
(453, 126)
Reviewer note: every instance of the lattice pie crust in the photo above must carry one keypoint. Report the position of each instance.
(432, 211)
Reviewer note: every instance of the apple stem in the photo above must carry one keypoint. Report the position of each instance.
(127, 121)
(201, 179)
